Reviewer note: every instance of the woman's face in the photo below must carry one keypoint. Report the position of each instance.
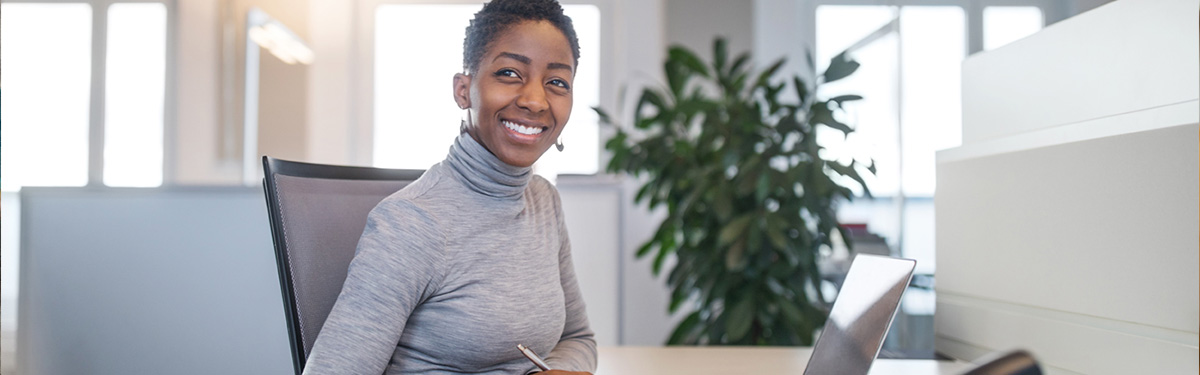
(520, 98)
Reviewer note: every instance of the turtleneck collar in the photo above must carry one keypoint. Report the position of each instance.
(483, 172)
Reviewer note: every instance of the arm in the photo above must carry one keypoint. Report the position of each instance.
(396, 266)
(576, 350)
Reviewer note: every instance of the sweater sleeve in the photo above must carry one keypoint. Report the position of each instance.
(396, 266)
(576, 349)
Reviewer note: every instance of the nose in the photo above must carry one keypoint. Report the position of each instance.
(533, 97)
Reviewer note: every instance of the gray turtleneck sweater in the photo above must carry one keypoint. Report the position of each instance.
(455, 270)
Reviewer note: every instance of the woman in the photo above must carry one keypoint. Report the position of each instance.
(455, 270)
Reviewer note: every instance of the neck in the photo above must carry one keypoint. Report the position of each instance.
(483, 172)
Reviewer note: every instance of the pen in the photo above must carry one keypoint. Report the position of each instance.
(533, 357)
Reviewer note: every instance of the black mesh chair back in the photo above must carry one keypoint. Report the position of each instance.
(317, 215)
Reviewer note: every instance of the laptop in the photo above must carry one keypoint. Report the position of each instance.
(861, 315)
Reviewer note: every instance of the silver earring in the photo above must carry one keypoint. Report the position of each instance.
(559, 145)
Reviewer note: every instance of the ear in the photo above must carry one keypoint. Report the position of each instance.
(462, 90)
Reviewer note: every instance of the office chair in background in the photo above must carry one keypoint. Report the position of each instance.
(317, 215)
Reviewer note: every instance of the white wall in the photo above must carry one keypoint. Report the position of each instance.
(1066, 223)
(197, 142)
(694, 24)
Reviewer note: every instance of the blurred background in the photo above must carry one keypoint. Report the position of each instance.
(124, 98)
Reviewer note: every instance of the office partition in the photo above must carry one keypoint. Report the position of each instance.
(1067, 221)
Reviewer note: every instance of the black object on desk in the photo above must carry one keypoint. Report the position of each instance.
(1016, 362)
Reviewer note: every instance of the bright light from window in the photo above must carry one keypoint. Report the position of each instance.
(47, 58)
(418, 49)
(910, 84)
(934, 40)
(1004, 25)
(874, 117)
(134, 90)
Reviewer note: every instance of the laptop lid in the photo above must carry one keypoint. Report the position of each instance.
(861, 315)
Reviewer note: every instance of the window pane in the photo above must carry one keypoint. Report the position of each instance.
(875, 117)
(418, 49)
(134, 90)
(1004, 25)
(47, 58)
(934, 45)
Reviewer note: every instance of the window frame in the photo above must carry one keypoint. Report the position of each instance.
(97, 85)
(362, 129)
(1052, 11)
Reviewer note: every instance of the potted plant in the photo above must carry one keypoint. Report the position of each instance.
(750, 198)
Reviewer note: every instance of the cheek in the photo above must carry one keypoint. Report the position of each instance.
(562, 109)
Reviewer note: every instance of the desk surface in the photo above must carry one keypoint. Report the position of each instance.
(632, 360)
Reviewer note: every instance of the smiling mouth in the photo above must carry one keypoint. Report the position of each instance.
(522, 129)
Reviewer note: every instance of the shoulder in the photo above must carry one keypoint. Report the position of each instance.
(540, 186)
(417, 200)
(409, 213)
(544, 193)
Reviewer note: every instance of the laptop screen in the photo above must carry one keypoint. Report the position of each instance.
(861, 315)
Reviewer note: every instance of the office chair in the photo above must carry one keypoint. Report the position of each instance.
(317, 215)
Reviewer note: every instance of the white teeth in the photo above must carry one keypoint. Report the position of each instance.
(522, 129)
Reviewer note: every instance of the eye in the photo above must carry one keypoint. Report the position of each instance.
(560, 83)
(506, 72)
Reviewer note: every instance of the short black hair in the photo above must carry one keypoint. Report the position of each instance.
(498, 15)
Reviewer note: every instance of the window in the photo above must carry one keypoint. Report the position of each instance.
(1004, 25)
(415, 119)
(911, 57)
(67, 126)
(47, 73)
(137, 51)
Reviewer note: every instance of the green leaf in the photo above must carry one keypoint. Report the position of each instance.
(678, 297)
(734, 260)
(604, 118)
(764, 78)
(720, 53)
(821, 114)
(685, 329)
(734, 229)
(808, 59)
(841, 66)
(738, 63)
(723, 204)
(660, 258)
(844, 98)
(791, 312)
(740, 319)
(683, 56)
(777, 238)
(645, 249)
(801, 89)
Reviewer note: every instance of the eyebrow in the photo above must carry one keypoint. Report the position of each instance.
(522, 58)
(555, 65)
(526, 60)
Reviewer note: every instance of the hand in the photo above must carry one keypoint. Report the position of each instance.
(563, 372)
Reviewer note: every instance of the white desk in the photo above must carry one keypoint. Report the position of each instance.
(634, 360)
